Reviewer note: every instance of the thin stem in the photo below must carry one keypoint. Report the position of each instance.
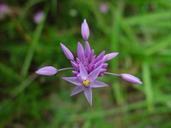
(63, 69)
(113, 74)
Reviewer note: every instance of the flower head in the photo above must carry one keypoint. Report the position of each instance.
(87, 67)
(85, 82)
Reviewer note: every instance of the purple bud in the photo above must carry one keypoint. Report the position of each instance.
(4, 10)
(110, 56)
(87, 49)
(85, 30)
(103, 8)
(67, 52)
(130, 78)
(80, 52)
(38, 17)
(47, 71)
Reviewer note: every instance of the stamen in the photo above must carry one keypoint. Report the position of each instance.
(86, 83)
(113, 74)
(63, 69)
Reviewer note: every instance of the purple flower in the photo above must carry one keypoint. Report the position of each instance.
(87, 67)
(38, 17)
(85, 82)
(103, 8)
(4, 10)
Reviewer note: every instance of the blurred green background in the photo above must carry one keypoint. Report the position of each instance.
(140, 30)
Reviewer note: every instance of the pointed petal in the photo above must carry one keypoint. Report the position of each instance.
(73, 80)
(87, 49)
(88, 95)
(47, 71)
(130, 78)
(100, 56)
(98, 84)
(94, 74)
(67, 52)
(83, 72)
(80, 52)
(74, 65)
(85, 30)
(110, 56)
(77, 90)
(100, 62)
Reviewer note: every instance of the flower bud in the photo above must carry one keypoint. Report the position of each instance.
(85, 30)
(130, 78)
(104, 8)
(47, 71)
(110, 56)
(38, 17)
(67, 52)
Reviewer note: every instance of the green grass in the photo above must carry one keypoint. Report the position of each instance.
(138, 30)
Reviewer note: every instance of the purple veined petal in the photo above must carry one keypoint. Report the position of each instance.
(110, 56)
(88, 95)
(47, 71)
(67, 52)
(73, 80)
(85, 30)
(77, 90)
(80, 52)
(130, 78)
(87, 49)
(98, 84)
(94, 74)
(83, 72)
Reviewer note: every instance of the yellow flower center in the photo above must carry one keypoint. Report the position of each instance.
(86, 83)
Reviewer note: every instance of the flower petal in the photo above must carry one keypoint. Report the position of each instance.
(88, 95)
(77, 90)
(110, 56)
(87, 49)
(94, 74)
(67, 52)
(100, 56)
(47, 71)
(73, 80)
(80, 52)
(83, 71)
(130, 78)
(85, 30)
(98, 84)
